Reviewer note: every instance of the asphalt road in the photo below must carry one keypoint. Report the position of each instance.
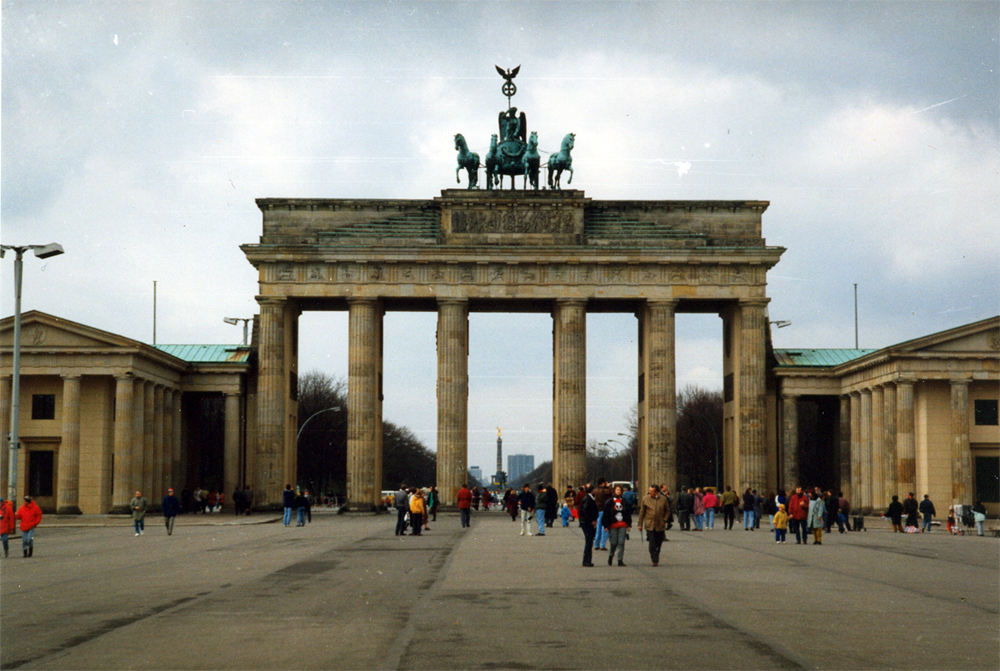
(345, 593)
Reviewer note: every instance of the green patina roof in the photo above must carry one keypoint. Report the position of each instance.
(235, 354)
(818, 357)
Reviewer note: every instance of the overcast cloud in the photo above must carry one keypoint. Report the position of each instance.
(138, 134)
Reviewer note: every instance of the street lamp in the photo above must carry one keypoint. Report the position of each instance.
(42, 252)
(236, 320)
(627, 451)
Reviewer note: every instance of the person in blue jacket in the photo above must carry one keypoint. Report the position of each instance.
(171, 506)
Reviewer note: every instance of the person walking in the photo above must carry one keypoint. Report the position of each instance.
(816, 519)
(895, 514)
(551, 504)
(170, 507)
(617, 520)
(798, 511)
(748, 502)
(541, 501)
(770, 507)
(685, 502)
(401, 502)
(711, 501)
(432, 505)
(601, 494)
(589, 514)
(138, 506)
(31, 516)
(526, 506)
(843, 512)
(780, 524)
(978, 516)
(464, 500)
(247, 499)
(288, 502)
(653, 513)
(418, 510)
(7, 523)
(301, 505)
(912, 511)
(698, 508)
(927, 510)
(729, 502)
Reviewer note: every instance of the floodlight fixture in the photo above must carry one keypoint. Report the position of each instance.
(236, 320)
(782, 323)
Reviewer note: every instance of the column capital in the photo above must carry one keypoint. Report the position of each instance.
(571, 301)
(232, 393)
(72, 376)
(671, 303)
(271, 301)
(788, 395)
(961, 382)
(905, 381)
(452, 301)
(754, 302)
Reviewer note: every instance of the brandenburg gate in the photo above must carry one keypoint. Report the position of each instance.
(553, 251)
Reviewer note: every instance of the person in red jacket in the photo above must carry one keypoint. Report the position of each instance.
(6, 522)
(798, 511)
(464, 499)
(30, 515)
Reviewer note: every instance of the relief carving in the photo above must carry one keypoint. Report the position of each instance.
(316, 273)
(511, 221)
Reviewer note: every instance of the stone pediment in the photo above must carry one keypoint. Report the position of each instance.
(41, 330)
(982, 337)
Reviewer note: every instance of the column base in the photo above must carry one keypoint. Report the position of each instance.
(69, 510)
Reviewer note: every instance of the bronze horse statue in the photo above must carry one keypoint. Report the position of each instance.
(492, 164)
(468, 160)
(561, 161)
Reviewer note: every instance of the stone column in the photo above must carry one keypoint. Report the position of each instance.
(961, 456)
(6, 384)
(753, 444)
(231, 448)
(148, 435)
(68, 482)
(138, 439)
(660, 381)
(906, 451)
(180, 456)
(170, 470)
(271, 391)
(157, 491)
(452, 398)
(889, 441)
(122, 465)
(866, 501)
(844, 440)
(855, 497)
(569, 392)
(364, 404)
(879, 497)
(789, 441)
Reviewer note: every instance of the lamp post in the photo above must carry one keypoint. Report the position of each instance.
(236, 320)
(42, 252)
(618, 454)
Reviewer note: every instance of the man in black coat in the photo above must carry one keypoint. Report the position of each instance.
(588, 522)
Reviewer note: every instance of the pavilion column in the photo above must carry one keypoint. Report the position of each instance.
(855, 497)
(844, 440)
(231, 447)
(68, 484)
(138, 439)
(148, 439)
(879, 496)
(906, 452)
(271, 392)
(6, 384)
(790, 441)
(961, 456)
(452, 398)
(889, 441)
(866, 502)
(364, 404)
(752, 427)
(170, 470)
(157, 492)
(658, 442)
(569, 382)
(122, 465)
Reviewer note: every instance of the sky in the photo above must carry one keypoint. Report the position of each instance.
(138, 134)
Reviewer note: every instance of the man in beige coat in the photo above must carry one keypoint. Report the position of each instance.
(653, 513)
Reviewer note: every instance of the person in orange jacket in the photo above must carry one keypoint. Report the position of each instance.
(6, 522)
(30, 515)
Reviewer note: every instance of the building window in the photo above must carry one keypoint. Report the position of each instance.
(988, 479)
(43, 406)
(40, 472)
(986, 412)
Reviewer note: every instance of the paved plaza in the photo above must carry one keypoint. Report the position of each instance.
(345, 593)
